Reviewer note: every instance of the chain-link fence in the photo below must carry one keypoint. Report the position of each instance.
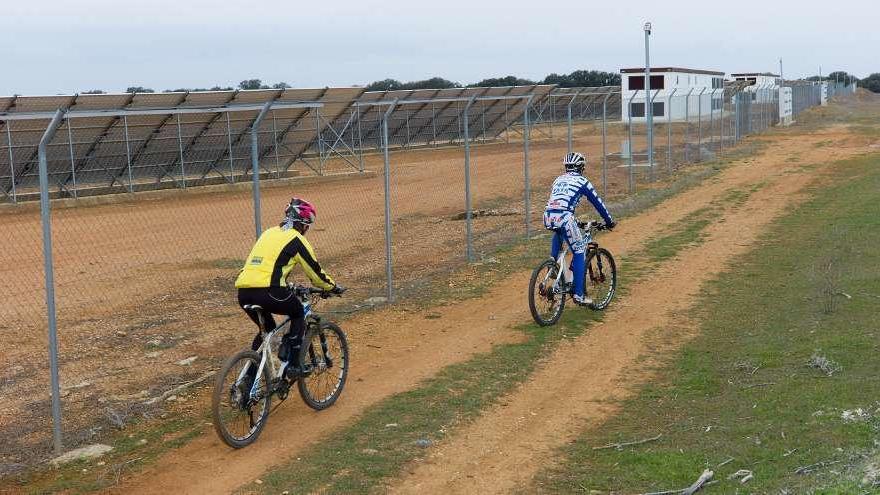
(155, 200)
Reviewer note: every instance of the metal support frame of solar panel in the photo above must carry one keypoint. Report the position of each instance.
(65, 157)
(211, 142)
(433, 117)
(586, 102)
(447, 129)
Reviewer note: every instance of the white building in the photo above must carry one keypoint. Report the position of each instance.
(763, 86)
(759, 80)
(677, 94)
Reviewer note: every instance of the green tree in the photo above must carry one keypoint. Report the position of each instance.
(93, 92)
(871, 83)
(384, 85)
(583, 78)
(432, 83)
(251, 84)
(280, 85)
(138, 89)
(502, 81)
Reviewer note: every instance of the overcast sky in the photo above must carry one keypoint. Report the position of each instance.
(64, 46)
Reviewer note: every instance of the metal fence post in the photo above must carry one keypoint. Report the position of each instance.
(721, 150)
(320, 139)
(255, 168)
(275, 146)
(649, 125)
(687, 125)
(72, 161)
(712, 118)
(669, 130)
(469, 248)
(180, 148)
(700, 126)
(50, 279)
(389, 277)
(11, 164)
(127, 153)
(229, 144)
(605, 145)
(360, 138)
(631, 183)
(527, 198)
(434, 126)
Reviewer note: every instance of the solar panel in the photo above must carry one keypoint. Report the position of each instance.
(128, 150)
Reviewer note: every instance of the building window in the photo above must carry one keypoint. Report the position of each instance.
(637, 110)
(659, 109)
(638, 82)
(717, 104)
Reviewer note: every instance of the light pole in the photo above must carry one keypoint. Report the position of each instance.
(649, 108)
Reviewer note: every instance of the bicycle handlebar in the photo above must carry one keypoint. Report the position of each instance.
(591, 224)
(303, 290)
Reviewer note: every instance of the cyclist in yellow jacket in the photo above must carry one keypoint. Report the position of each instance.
(263, 280)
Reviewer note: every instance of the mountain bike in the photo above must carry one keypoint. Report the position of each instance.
(245, 385)
(548, 286)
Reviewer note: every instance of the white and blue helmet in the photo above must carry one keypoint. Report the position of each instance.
(574, 162)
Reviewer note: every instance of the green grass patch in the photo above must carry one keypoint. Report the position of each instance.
(752, 386)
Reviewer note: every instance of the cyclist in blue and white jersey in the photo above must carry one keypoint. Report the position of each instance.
(559, 216)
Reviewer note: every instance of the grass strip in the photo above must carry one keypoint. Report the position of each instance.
(783, 376)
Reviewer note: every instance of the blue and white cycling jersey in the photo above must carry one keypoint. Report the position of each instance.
(567, 191)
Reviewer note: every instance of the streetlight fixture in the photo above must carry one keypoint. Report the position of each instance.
(649, 107)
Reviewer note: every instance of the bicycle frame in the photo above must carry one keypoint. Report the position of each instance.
(560, 260)
(268, 358)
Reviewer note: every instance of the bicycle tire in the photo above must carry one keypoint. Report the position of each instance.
(221, 391)
(316, 361)
(533, 281)
(605, 264)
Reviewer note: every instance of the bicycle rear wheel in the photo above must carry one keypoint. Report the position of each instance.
(238, 417)
(545, 303)
(601, 278)
(324, 366)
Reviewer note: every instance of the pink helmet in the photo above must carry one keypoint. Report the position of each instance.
(300, 211)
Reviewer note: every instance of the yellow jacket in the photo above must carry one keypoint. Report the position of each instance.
(276, 252)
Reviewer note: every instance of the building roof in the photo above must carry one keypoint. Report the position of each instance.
(638, 70)
(753, 74)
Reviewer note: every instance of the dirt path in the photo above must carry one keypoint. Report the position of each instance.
(581, 384)
(389, 358)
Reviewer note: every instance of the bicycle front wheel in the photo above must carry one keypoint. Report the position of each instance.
(324, 366)
(545, 302)
(240, 415)
(601, 278)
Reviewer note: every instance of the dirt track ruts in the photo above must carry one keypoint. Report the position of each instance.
(584, 380)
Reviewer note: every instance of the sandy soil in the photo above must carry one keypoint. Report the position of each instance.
(501, 445)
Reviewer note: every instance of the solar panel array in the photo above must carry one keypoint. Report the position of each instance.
(131, 151)
(113, 149)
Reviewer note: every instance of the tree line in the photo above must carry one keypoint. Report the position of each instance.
(578, 78)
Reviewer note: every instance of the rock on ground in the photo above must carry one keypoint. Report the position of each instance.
(87, 452)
